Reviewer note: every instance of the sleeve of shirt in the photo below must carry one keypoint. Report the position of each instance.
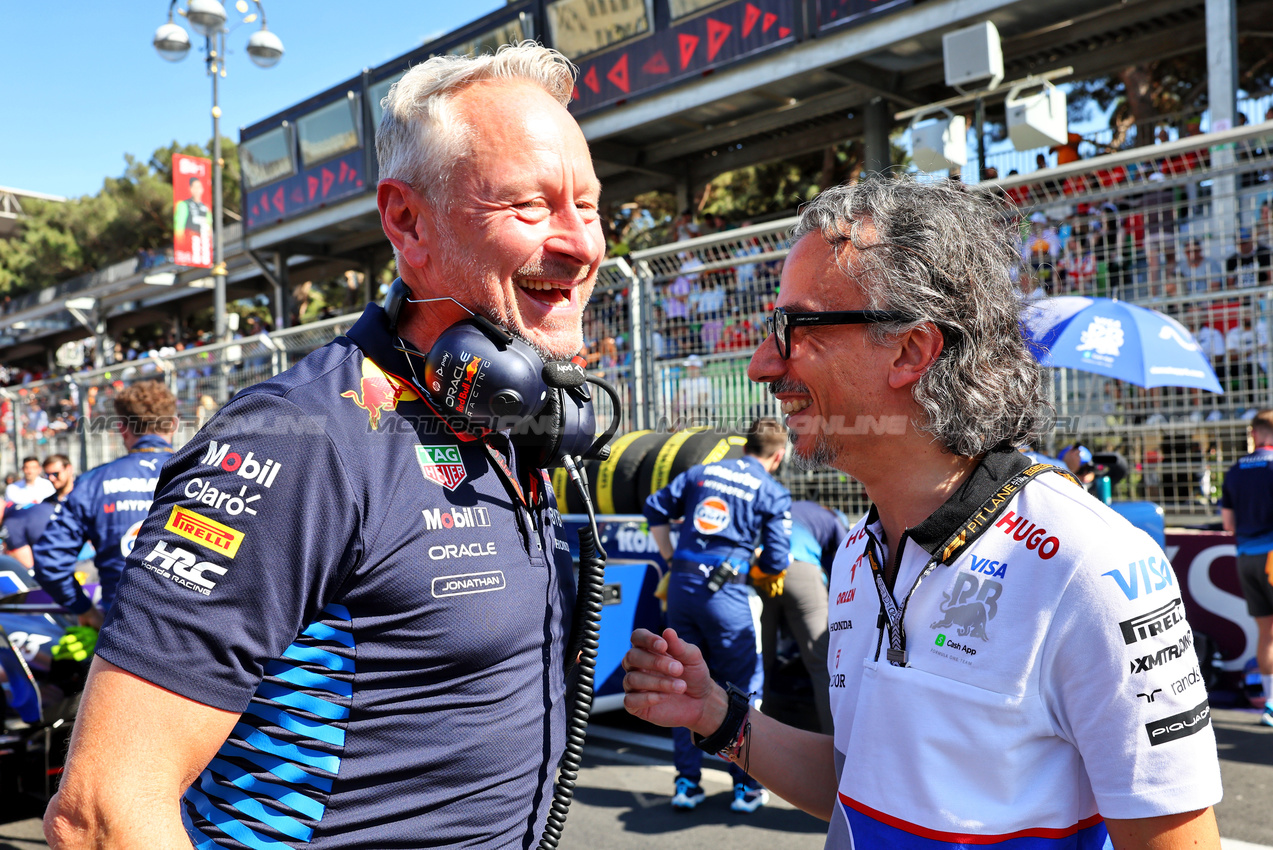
(667, 504)
(775, 534)
(253, 529)
(1119, 676)
(58, 548)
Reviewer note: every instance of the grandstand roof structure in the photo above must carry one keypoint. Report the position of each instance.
(811, 93)
(11, 207)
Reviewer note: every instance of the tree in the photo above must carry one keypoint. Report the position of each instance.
(131, 213)
(1166, 91)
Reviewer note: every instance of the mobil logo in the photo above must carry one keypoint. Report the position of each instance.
(711, 516)
(247, 466)
(1035, 537)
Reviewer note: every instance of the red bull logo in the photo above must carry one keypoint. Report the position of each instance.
(472, 374)
(378, 391)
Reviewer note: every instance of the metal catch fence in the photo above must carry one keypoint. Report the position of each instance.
(1182, 227)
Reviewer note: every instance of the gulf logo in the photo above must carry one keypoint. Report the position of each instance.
(711, 516)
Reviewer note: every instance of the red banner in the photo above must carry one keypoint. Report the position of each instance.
(191, 215)
(1206, 565)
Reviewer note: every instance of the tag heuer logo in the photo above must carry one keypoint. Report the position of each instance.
(442, 465)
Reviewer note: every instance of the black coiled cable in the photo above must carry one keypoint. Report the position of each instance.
(583, 645)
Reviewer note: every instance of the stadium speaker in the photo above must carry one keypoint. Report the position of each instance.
(940, 144)
(1036, 120)
(973, 56)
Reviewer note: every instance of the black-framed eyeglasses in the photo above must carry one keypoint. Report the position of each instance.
(782, 321)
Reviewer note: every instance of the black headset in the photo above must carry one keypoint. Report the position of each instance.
(484, 378)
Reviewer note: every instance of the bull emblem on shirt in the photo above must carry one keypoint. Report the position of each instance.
(378, 391)
(971, 603)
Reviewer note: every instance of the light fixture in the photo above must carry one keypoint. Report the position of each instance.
(206, 16)
(265, 48)
(172, 42)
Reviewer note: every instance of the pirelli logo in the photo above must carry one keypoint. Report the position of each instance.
(208, 533)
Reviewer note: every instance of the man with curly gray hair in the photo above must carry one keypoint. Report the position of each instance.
(1009, 659)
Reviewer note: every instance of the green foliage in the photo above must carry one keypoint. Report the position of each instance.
(131, 213)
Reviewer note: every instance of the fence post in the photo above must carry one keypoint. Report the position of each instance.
(643, 333)
(82, 393)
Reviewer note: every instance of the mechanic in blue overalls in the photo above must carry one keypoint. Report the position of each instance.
(730, 507)
(108, 504)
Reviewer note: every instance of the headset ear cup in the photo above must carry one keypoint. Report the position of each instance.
(538, 438)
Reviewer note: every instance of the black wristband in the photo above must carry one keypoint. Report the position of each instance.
(735, 714)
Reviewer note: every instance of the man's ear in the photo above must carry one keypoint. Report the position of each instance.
(403, 215)
(917, 351)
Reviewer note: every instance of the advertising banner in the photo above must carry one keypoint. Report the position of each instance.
(191, 215)
(1206, 564)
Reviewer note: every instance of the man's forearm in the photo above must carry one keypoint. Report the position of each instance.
(156, 823)
(662, 535)
(797, 765)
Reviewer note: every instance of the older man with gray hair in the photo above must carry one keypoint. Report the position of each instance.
(1009, 658)
(357, 638)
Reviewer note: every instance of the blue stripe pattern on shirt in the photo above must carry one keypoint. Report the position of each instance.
(240, 832)
(294, 800)
(308, 680)
(308, 728)
(284, 770)
(295, 699)
(255, 809)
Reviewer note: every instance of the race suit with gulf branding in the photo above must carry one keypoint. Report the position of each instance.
(729, 507)
(1049, 678)
(390, 619)
(106, 508)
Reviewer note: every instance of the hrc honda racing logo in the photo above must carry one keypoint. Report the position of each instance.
(182, 567)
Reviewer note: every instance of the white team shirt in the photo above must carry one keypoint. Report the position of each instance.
(1050, 680)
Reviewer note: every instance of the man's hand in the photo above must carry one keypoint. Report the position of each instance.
(93, 618)
(767, 584)
(668, 684)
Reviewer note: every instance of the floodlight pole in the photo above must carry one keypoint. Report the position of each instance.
(215, 52)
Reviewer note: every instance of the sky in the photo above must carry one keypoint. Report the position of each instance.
(81, 85)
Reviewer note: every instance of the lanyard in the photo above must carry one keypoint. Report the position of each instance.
(948, 553)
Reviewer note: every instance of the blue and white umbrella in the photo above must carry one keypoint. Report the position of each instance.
(1116, 339)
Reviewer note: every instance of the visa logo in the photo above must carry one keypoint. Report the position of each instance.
(1146, 576)
(989, 567)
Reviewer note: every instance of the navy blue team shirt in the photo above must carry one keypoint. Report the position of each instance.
(106, 508)
(23, 524)
(1248, 492)
(389, 617)
(725, 505)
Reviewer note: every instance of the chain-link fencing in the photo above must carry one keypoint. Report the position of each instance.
(1183, 227)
